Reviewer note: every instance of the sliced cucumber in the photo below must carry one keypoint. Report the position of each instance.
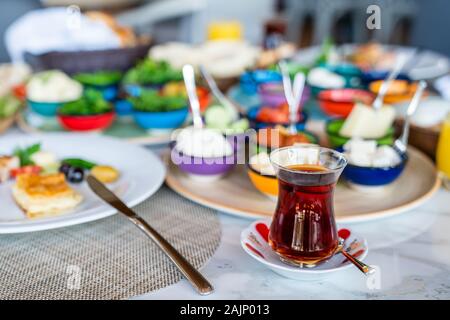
(240, 125)
(217, 117)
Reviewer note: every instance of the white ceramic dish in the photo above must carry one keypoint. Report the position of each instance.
(254, 242)
(431, 111)
(142, 173)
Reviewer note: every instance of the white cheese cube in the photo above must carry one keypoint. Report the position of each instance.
(365, 122)
(357, 145)
(386, 156)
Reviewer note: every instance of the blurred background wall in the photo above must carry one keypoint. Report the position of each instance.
(417, 22)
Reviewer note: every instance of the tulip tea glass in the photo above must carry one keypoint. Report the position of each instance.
(303, 230)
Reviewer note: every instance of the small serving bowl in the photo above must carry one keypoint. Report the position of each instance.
(134, 89)
(272, 94)
(373, 75)
(336, 140)
(266, 184)
(373, 178)
(46, 109)
(94, 122)
(399, 91)
(340, 102)
(161, 121)
(109, 92)
(256, 124)
(350, 72)
(203, 169)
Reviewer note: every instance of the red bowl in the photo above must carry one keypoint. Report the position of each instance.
(340, 102)
(88, 122)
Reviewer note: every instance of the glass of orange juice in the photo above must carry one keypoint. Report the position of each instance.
(443, 152)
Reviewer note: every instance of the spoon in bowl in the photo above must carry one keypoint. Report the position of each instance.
(189, 82)
(401, 61)
(293, 95)
(401, 144)
(221, 98)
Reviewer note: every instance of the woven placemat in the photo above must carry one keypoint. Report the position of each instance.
(109, 258)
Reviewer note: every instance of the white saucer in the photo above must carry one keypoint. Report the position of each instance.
(254, 242)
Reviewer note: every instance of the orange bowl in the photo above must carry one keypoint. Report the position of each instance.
(266, 184)
(397, 93)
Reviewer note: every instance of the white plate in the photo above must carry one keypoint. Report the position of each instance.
(431, 111)
(142, 173)
(254, 242)
(427, 64)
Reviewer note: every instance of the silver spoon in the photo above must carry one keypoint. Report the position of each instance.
(223, 100)
(378, 102)
(293, 96)
(364, 268)
(401, 144)
(189, 82)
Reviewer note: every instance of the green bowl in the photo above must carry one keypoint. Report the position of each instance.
(336, 140)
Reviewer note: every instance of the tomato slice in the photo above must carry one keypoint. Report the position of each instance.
(26, 169)
(19, 91)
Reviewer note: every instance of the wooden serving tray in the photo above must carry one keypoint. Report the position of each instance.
(235, 194)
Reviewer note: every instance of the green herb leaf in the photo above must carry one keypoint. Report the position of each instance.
(25, 154)
(92, 102)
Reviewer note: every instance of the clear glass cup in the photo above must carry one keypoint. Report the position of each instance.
(443, 152)
(303, 230)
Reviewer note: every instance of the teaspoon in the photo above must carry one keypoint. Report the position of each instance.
(189, 82)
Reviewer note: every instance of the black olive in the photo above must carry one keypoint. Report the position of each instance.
(64, 168)
(75, 175)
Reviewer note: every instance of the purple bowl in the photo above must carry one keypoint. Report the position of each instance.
(237, 140)
(272, 94)
(203, 168)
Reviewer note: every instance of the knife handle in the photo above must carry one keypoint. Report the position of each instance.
(196, 278)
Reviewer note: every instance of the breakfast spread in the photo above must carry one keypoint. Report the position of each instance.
(42, 186)
(224, 58)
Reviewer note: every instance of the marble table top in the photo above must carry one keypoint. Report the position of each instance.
(411, 252)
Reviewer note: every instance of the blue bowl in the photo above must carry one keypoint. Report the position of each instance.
(123, 107)
(373, 75)
(350, 72)
(249, 81)
(255, 124)
(109, 92)
(374, 177)
(161, 120)
(135, 90)
(46, 109)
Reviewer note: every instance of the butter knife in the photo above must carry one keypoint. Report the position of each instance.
(190, 273)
